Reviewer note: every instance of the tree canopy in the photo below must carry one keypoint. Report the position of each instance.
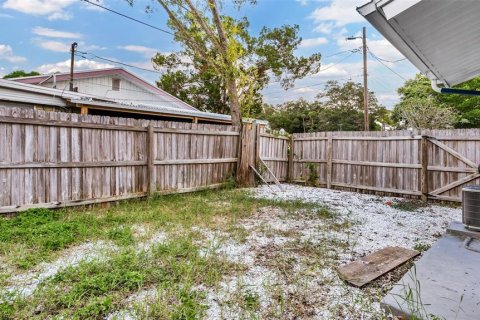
(464, 109)
(338, 107)
(20, 73)
(222, 66)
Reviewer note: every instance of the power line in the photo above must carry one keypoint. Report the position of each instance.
(94, 56)
(334, 54)
(313, 85)
(128, 17)
(391, 61)
(393, 71)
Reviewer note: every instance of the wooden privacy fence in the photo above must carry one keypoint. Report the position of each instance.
(52, 159)
(433, 164)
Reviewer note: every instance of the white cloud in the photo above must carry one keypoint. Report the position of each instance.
(64, 66)
(313, 42)
(324, 27)
(302, 2)
(146, 51)
(53, 9)
(52, 33)
(341, 12)
(6, 53)
(304, 90)
(56, 46)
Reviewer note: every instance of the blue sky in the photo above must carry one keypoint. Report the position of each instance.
(36, 35)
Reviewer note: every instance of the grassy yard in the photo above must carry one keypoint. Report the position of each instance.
(212, 255)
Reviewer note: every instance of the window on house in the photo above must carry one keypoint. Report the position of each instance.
(116, 84)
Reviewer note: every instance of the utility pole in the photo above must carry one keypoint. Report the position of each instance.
(365, 75)
(365, 82)
(72, 63)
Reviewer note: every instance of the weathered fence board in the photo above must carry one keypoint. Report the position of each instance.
(52, 159)
(433, 164)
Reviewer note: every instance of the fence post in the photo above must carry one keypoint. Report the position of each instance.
(256, 127)
(424, 172)
(152, 177)
(246, 158)
(329, 159)
(291, 155)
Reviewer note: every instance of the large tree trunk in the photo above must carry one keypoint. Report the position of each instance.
(234, 102)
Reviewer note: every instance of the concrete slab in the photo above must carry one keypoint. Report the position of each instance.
(457, 228)
(445, 282)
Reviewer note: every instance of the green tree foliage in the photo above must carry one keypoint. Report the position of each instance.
(221, 66)
(426, 113)
(338, 107)
(418, 91)
(20, 73)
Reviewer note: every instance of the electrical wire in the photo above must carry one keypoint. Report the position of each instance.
(94, 56)
(393, 71)
(312, 85)
(128, 17)
(334, 54)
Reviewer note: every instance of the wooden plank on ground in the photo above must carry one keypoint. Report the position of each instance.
(371, 267)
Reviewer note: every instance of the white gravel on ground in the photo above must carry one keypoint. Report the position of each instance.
(372, 224)
(25, 284)
(376, 224)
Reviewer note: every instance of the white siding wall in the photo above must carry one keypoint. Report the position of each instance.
(129, 92)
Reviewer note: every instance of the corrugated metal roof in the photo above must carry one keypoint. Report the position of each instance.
(440, 37)
(28, 93)
(154, 109)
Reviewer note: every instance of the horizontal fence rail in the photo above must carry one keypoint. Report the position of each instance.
(51, 160)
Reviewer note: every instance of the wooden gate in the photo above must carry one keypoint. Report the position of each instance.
(272, 154)
(449, 170)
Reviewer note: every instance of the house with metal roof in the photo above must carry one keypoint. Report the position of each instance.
(111, 92)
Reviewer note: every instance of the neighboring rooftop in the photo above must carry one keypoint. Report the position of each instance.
(440, 37)
(99, 83)
(18, 92)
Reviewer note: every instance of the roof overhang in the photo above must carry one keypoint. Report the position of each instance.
(440, 37)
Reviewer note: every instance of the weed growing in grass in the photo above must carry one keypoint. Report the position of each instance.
(421, 247)
(251, 301)
(409, 205)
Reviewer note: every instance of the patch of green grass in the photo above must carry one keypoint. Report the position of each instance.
(38, 235)
(251, 301)
(37, 232)
(92, 290)
(409, 205)
(122, 235)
